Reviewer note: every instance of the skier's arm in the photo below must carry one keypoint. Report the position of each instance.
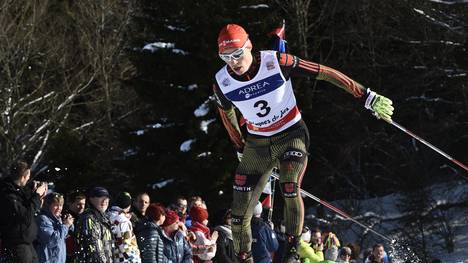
(294, 66)
(229, 118)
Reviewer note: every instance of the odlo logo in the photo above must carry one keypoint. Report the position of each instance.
(293, 153)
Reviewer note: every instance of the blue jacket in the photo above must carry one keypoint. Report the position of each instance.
(51, 238)
(177, 249)
(264, 241)
(149, 238)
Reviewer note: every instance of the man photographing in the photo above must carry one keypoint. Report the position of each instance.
(21, 200)
(259, 86)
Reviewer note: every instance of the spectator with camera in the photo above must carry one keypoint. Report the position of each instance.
(94, 240)
(76, 202)
(52, 230)
(21, 199)
(378, 255)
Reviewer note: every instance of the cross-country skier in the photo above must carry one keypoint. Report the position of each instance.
(259, 86)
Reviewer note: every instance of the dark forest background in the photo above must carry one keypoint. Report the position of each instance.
(105, 92)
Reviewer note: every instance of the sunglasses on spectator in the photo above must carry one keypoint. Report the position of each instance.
(234, 55)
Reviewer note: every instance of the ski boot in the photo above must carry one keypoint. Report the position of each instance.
(291, 253)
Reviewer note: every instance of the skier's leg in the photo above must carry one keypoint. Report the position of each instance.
(292, 168)
(293, 163)
(249, 181)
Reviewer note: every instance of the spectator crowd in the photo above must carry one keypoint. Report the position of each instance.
(93, 227)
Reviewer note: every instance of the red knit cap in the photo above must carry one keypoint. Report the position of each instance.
(198, 214)
(155, 211)
(231, 36)
(171, 218)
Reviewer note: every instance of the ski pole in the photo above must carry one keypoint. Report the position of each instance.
(272, 197)
(428, 144)
(338, 211)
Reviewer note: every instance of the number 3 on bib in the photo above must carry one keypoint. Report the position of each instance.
(264, 109)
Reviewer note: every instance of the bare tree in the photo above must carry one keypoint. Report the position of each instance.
(60, 65)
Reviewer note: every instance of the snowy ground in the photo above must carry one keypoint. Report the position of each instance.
(383, 215)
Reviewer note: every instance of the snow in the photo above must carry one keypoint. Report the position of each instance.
(187, 145)
(254, 6)
(158, 45)
(204, 154)
(192, 87)
(450, 2)
(130, 152)
(202, 110)
(175, 28)
(383, 215)
(180, 51)
(158, 125)
(204, 125)
(153, 47)
(162, 184)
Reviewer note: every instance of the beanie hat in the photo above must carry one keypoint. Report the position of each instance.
(258, 210)
(155, 211)
(98, 192)
(331, 253)
(198, 214)
(123, 200)
(231, 36)
(171, 218)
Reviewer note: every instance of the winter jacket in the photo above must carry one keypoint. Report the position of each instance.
(94, 240)
(19, 205)
(264, 241)
(176, 248)
(385, 259)
(150, 242)
(125, 246)
(70, 239)
(224, 245)
(308, 254)
(282, 241)
(51, 236)
(203, 248)
(136, 217)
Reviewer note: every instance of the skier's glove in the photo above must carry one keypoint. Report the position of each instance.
(380, 106)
